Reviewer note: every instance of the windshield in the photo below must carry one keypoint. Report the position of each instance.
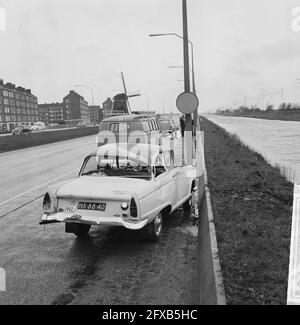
(165, 125)
(115, 167)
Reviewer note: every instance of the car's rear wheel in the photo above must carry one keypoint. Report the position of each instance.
(153, 230)
(79, 229)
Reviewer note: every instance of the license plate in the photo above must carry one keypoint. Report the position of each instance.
(91, 206)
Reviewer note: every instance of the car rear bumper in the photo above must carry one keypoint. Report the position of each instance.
(110, 221)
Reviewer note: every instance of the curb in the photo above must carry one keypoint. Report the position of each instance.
(211, 288)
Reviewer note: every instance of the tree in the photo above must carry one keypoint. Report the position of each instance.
(282, 107)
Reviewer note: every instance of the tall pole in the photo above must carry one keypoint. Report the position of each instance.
(194, 85)
(282, 94)
(92, 92)
(262, 98)
(91, 89)
(188, 118)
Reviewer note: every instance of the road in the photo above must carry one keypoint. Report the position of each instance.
(112, 266)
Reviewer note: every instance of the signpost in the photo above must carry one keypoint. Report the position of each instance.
(187, 103)
(188, 118)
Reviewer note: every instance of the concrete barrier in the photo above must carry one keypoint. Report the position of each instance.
(211, 289)
(293, 295)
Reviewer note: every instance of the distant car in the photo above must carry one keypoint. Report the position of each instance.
(81, 126)
(135, 188)
(21, 131)
(37, 126)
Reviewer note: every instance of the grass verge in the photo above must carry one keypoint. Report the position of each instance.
(9, 143)
(252, 206)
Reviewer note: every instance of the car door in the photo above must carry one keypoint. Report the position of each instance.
(165, 181)
(181, 181)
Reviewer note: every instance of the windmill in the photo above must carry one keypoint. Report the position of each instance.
(121, 102)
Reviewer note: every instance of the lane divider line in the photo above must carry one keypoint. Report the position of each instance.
(21, 206)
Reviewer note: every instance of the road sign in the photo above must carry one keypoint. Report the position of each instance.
(187, 103)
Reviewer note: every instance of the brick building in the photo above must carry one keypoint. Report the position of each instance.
(107, 107)
(75, 107)
(96, 114)
(18, 106)
(52, 113)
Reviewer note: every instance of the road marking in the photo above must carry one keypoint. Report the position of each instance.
(20, 207)
(37, 187)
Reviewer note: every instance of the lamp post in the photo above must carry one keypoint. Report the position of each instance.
(192, 70)
(188, 119)
(192, 56)
(91, 89)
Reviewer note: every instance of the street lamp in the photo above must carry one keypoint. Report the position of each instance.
(163, 103)
(188, 119)
(193, 67)
(91, 89)
(192, 52)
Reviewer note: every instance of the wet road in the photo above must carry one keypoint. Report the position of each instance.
(24, 170)
(112, 266)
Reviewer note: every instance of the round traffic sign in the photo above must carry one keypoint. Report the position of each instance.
(187, 103)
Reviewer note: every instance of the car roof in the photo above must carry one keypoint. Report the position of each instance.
(127, 118)
(145, 152)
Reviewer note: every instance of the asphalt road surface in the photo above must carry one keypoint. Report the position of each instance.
(44, 265)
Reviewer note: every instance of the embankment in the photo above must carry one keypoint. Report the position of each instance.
(288, 115)
(252, 208)
(9, 143)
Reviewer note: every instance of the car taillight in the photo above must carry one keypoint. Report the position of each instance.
(133, 209)
(47, 202)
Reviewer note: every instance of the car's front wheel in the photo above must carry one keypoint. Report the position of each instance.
(79, 229)
(153, 230)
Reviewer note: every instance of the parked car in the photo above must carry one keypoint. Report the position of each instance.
(129, 185)
(21, 131)
(37, 126)
(134, 128)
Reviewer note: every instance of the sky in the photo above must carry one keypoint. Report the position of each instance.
(240, 48)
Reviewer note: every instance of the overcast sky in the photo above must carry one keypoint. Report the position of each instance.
(241, 47)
